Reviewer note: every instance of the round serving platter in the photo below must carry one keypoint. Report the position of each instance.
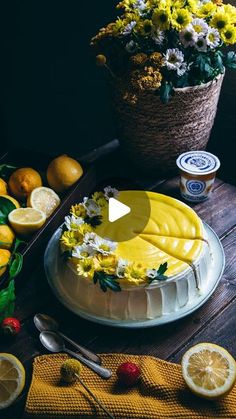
(54, 265)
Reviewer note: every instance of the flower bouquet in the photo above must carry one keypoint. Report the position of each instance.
(167, 61)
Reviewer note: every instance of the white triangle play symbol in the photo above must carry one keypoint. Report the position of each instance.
(117, 210)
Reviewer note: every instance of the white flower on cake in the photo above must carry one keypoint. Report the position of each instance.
(213, 38)
(188, 36)
(92, 209)
(140, 6)
(83, 251)
(106, 247)
(151, 273)
(201, 44)
(173, 59)
(200, 26)
(89, 238)
(73, 222)
(128, 29)
(120, 269)
(110, 192)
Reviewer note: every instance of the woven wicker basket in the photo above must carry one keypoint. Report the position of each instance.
(153, 134)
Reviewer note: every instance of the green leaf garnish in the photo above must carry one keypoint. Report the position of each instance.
(16, 264)
(160, 273)
(106, 281)
(6, 206)
(93, 221)
(6, 170)
(7, 301)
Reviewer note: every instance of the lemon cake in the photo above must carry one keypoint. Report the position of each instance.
(128, 269)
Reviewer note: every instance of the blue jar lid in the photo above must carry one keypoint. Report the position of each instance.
(198, 162)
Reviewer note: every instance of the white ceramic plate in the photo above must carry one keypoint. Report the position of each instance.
(53, 265)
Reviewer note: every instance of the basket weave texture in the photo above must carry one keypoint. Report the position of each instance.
(154, 134)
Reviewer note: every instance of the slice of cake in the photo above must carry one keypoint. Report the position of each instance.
(135, 268)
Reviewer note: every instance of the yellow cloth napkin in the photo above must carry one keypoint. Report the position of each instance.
(161, 393)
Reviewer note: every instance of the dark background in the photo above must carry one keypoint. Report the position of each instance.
(53, 97)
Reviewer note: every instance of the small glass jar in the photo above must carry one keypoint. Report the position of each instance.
(197, 174)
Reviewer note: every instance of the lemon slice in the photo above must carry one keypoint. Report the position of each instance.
(44, 199)
(26, 221)
(12, 379)
(209, 370)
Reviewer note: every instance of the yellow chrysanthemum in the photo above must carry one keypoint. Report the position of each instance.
(127, 5)
(106, 264)
(231, 11)
(100, 199)
(206, 10)
(190, 5)
(145, 27)
(220, 20)
(78, 210)
(135, 273)
(228, 35)
(82, 229)
(180, 18)
(161, 18)
(118, 27)
(85, 268)
(69, 239)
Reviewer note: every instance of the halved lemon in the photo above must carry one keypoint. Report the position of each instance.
(209, 370)
(12, 379)
(26, 221)
(44, 199)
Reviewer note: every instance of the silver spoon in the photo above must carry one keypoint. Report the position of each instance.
(54, 343)
(43, 322)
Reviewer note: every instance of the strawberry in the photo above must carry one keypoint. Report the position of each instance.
(128, 373)
(10, 326)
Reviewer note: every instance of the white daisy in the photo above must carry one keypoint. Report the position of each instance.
(173, 58)
(128, 29)
(131, 47)
(73, 222)
(157, 36)
(110, 192)
(140, 6)
(151, 273)
(201, 44)
(106, 247)
(92, 208)
(90, 238)
(188, 36)
(200, 26)
(213, 37)
(120, 270)
(83, 251)
(182, 69)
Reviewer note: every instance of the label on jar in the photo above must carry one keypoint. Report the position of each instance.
(198, 162)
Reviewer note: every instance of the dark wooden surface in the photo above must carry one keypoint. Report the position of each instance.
(213, 322)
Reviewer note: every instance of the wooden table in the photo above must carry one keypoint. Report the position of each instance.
(213, 322)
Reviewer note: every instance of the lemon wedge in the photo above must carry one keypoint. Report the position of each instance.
(26, 221)
(12, 379)
(209, 370)
(44, 199)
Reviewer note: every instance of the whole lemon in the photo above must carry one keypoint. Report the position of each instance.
(23, 181)
(6, 237)
(3, 187)
(63, 172)
(4, 259)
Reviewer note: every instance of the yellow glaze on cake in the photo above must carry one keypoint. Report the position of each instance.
(173, 232)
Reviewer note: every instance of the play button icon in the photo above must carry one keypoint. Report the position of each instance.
(117, 210)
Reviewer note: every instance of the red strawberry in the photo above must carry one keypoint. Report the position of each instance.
(128, 373)
(10, 326)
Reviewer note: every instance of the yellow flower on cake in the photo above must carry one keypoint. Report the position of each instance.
(68, 240)
(78, 210)
(231, 11)
(161, 18)
(135, 273)
(85, 268)
(100, 199)
(228, 35)
(82, 229)
(180, 18)
(145, 27)
(220, 20)
(206, 10)
(105, 263)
